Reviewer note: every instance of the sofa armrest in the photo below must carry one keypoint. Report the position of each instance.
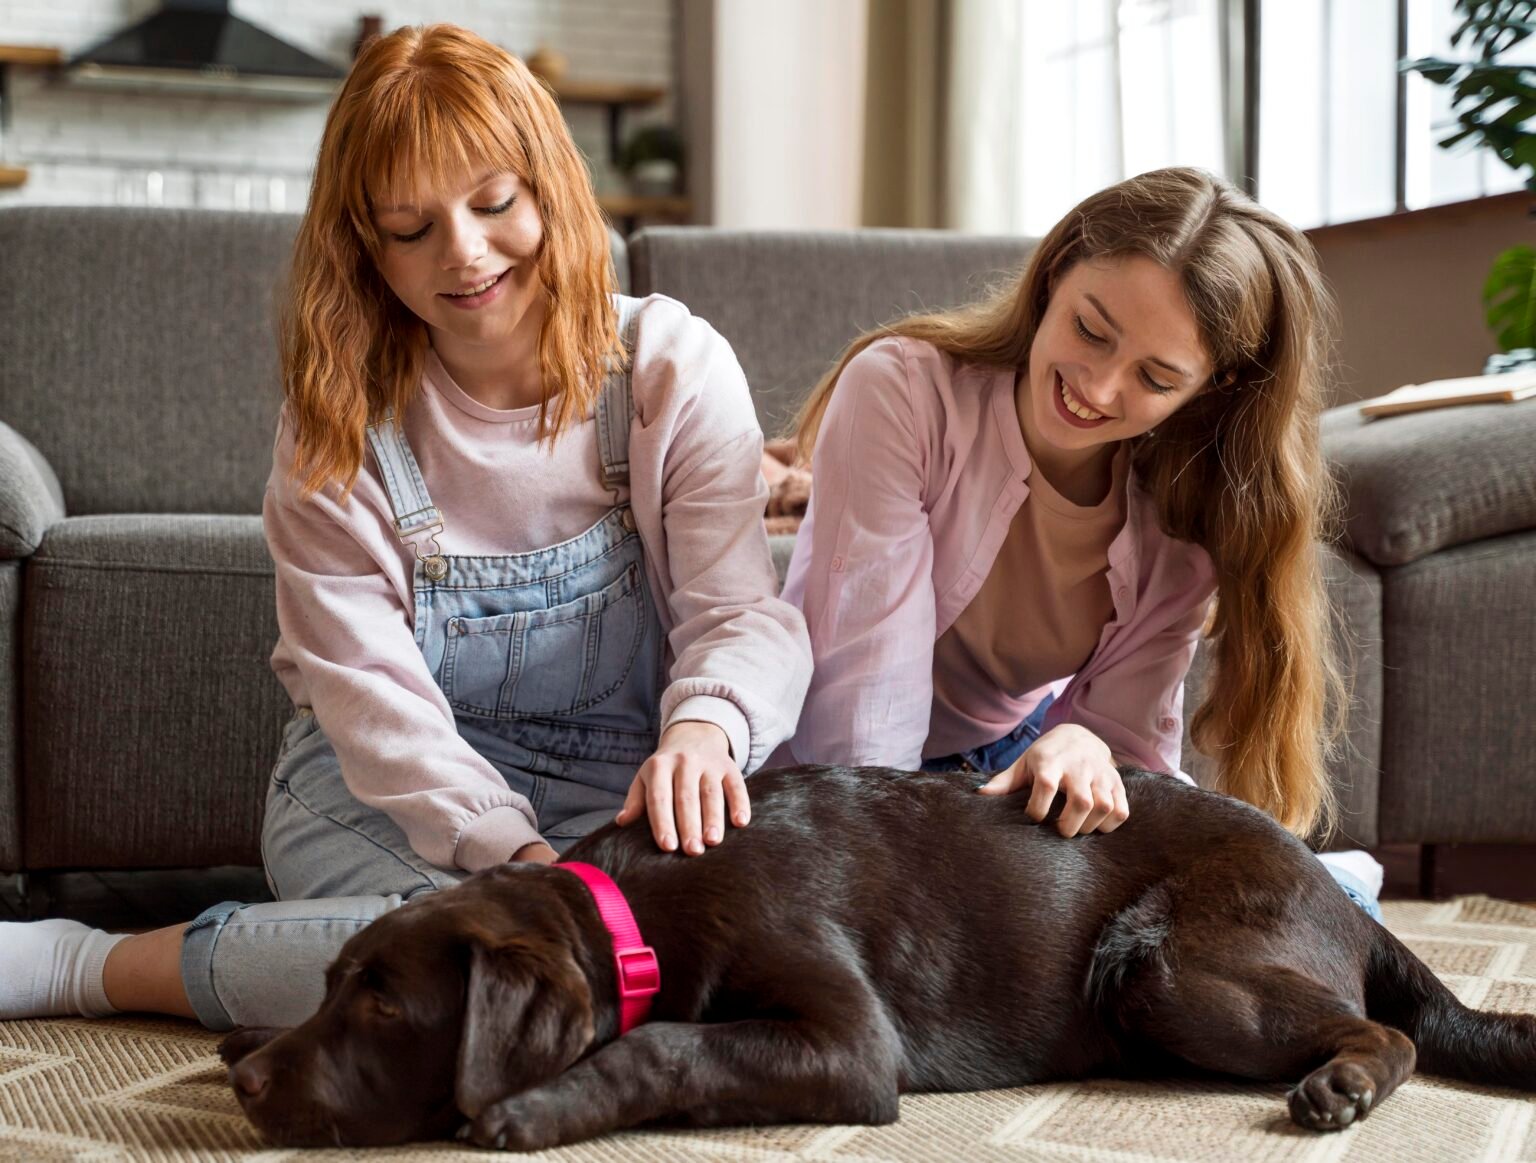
(30, 496)
(1425, 481)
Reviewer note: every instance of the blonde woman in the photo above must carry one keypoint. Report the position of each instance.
(1022, 510)
(523, 583)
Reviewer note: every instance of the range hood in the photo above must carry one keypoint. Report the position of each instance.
(199, 46)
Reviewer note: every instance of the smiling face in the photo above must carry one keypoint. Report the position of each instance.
(1117, 352)
(464, 259)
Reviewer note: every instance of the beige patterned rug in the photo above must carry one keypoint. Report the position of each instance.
(153, 1090)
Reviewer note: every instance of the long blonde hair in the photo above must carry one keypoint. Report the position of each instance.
(431, 104)
(1236, 470)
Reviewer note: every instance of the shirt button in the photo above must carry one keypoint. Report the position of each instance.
(837, 565)
(1168, 723)
(1122, 593)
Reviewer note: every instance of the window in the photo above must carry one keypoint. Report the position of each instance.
(1051, 101)
(1330, 100)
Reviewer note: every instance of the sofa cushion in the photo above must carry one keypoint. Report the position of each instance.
(1458, 733)
(10, 717)
(140, 352)
(152, 715)
(782, 547)
(1423, 481)
(30, 497)
(789, 303)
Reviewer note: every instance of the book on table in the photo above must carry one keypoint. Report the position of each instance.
(1505, 388)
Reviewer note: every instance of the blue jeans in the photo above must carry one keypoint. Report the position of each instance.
(335, 865)
(1002, 753)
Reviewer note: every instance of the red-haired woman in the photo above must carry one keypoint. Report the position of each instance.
(523, 583)
(1024, 507)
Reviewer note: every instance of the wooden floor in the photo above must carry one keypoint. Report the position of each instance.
(147, 900)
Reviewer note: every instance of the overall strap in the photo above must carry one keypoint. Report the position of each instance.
(417, 520)
(616, 406)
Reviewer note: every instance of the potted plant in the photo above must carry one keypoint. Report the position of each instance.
(1495, 103)
(653, 160)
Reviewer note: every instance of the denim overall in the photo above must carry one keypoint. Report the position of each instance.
(552, 661)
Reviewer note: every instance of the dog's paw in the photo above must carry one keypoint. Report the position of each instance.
(1333, 1097)
(504, 1127)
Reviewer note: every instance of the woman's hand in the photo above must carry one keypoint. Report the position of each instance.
(1076, 762)
(536, 853)
(685, 788)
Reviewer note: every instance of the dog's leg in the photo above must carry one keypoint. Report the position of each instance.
(1273, 1024)
(757, 1071)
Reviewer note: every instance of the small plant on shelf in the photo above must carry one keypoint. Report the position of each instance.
(653, 160)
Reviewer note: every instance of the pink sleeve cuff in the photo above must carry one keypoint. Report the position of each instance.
(723, 714)
(491, 839)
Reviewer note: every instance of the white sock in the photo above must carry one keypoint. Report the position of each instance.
(53, 968)
(1363, 865)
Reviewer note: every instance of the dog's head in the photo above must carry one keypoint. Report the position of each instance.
(431, 1013)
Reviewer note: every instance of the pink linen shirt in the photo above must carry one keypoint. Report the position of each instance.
(919, 468)
(737, 654)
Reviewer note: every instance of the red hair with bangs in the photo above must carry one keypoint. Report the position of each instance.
(420, 107)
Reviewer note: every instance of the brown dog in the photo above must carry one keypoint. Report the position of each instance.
(872, 932)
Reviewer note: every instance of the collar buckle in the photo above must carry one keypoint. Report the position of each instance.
(639, 972)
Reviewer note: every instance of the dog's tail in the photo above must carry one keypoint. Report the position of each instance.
(1478, 1046)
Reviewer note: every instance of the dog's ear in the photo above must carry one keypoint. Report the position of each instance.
(527, 1016)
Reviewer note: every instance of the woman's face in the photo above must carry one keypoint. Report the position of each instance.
(1116, 354)
(463, 259)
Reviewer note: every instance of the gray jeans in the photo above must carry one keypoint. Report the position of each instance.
(334, 865)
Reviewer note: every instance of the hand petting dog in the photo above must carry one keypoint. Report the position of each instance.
(686, 788)
(1075, 762)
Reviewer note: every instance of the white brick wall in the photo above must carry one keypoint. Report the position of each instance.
(88, 147)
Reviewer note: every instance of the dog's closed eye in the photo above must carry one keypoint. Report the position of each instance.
(376, 993)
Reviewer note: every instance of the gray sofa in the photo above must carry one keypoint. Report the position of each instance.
(138, 392)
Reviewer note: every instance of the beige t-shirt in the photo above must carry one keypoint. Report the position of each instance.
(1040, 612)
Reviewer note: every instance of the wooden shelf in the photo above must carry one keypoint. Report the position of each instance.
(606, 93)
(30, 54)
(613, 97)
(633, 206)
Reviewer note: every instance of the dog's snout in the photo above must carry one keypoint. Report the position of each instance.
(250, 1076)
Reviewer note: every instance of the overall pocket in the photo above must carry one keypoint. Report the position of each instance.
(539, 663)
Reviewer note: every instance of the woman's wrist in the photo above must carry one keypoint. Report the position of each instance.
(538, 852)
(692, 734)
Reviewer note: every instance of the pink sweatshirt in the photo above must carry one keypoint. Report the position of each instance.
(919, 469)
(738, 656)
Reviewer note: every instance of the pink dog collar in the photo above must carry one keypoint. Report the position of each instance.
(639, 973)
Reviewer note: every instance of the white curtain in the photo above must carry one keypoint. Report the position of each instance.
(1050, 101)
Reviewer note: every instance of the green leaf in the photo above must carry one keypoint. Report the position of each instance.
(1524, 154)
(1437, 71)
(1509, 298)
(1495, 26)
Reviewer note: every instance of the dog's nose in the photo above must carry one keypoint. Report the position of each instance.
(249, 1076)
